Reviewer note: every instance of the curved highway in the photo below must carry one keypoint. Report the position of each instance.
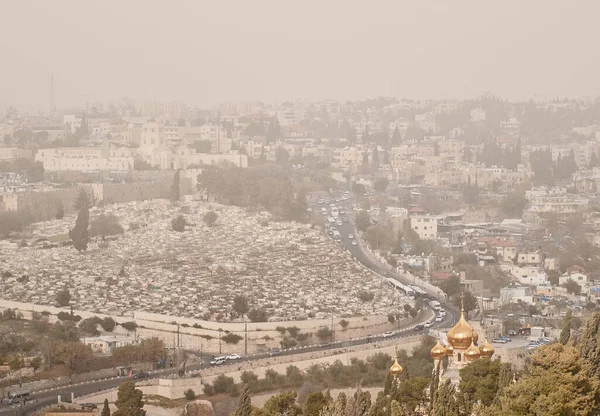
(45, 398)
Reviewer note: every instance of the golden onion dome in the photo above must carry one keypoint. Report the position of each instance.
(472, 353)
(438, 351)
(449, 349)
(396, 369)
(460, 335)
(486, 349)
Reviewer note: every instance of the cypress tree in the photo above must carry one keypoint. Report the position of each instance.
(445, 401)
(105, 409)
(79, 234)
(244, 407)
(565, 334)
(387, 387)
(435, 381)
(588, 343)
(175, 193)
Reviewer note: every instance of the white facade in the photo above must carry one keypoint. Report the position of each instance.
(85, 159)
(579, 278)
(425, 226)
(106, 343)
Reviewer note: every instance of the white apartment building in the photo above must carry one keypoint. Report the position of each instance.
(84, 159)
(71, 123)
(290, 116)
(478, 114)
(426, 226)
(345, 158)
(513, 294)
(11, 153)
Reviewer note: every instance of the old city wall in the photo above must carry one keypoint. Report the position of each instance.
(175, 388)
(137, 191)
(177, 331)
(43, 205)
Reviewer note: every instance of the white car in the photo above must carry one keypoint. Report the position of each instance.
(388, 334)
(439, 318)
(428, 324)
(218, 361)
(350, 236)
(354, 242)
(442, 313)
(234, 357)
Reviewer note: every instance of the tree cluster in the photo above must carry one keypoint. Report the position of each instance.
(266, 186)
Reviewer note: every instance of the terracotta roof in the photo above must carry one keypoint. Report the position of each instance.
(503, 243)
(440, 276)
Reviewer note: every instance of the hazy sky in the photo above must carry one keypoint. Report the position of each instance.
(202, 52)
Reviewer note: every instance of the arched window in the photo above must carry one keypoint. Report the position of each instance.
(459, 357)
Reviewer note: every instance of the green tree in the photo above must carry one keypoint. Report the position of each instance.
(105, 409)
(210, 218)
(240, 304)
(445, 403)
(314, 403)
(470, 302)
(558, 383)
(36, 363)
(105, 225)
(175, 187)
(451, 286)
(363, 221)
(588, 344)
(572, 286)
(397, 409)
(412, 393)
(63, 297)
(479, 380)
(282, 404)
(79, 234)
(258, 315)
(244, 406)
(81, 201)
(129, 401)
(178, 223)
(433, 385)
(505, 378)
(190, 394)
(565, 334)
(60, 211)
(513, 204)
(389, 382)
(76, 356)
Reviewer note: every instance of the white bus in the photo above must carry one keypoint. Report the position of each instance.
(18, 396)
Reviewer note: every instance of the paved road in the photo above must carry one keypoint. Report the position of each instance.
(49, 397)
(348, 227)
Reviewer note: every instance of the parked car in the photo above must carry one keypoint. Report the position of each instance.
(354, 242)
(507, 339)
(274, 353)
(428, 324)
(500, 340)
(140, 376)
(218, 361)
(234, 357)
(419, 327)
(388, 334)
(512, 333)
(442, 313)
(350, 236)
(88, 406)
(439, 318)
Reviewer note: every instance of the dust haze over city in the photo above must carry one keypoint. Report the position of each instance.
(299, 208)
